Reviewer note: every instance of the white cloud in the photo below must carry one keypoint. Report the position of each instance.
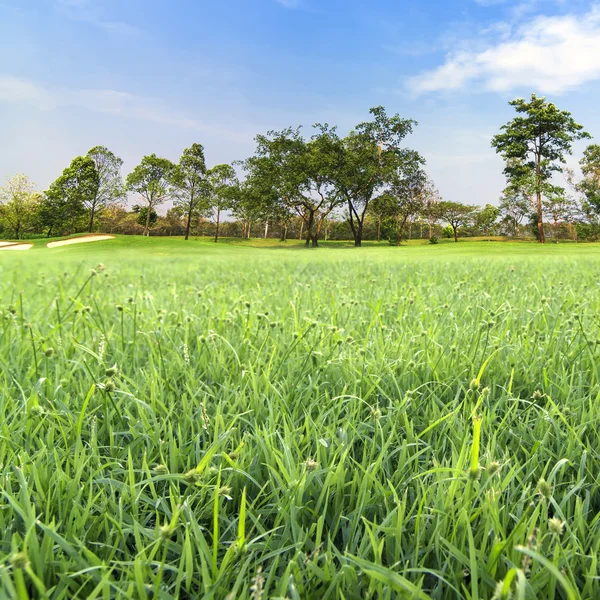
(549, 54)
(108, 102)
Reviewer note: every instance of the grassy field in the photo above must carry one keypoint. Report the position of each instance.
(191, 420)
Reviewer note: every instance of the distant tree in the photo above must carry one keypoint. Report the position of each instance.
(65, 201)
(222, 183)
(486, 218)
(559, 208)
(152, 180)
(110, 188)
(371, 156)
(408, 189)
(514, 206)
(430, 211)
(190, 189)
(457, 214)
(295, 175)
(537, 143)
(146, 217)
(382, 207)
(18, 204)
(590, 184)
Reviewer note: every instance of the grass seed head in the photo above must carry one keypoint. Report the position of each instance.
(19, 560)
(161, 470)
(474, 385)
(544, 488)
(49, 352)
(310, 464)
(556, 526)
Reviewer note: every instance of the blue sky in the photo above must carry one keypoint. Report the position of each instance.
(143, 76)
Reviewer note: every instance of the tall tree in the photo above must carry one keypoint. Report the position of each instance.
(152, 181)
(222, 183)
(18, 204)
(110, 188)
(538, 143)
(457, 214)
(66, 199)
(372, 156)
(190, 189)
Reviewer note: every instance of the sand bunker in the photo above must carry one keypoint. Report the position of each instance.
(81, 240)
(10, 246)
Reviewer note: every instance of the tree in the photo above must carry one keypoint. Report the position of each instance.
(537, 143)
(372, 156)
(408, 188)
(296, 175)
(146, 216)
(109, 189)
(457, 215)
(515, 205)
(559, 208)
(222, 182)
(486, 218)
(66, 199)
(430, 209)
(18, 204)
(152, 181)
(589, 186)
(190, 188)
(382, 207)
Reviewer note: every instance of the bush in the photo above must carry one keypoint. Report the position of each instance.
(448, 232)
(434, 240)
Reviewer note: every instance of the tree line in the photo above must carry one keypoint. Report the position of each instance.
(365, 185)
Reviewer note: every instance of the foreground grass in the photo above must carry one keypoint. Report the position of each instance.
(195, 421)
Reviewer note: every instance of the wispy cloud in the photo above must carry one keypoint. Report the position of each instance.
(109, 102)
(93, 13)
(550, 54)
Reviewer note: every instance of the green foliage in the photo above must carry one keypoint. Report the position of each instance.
(146, 217)
(194, 420)
(152, 180)
(64, 205)
(434, 240)
(19, 204)
(457, 214)
(110, 189)
(448, 231)
(590, 185)
(536, 144)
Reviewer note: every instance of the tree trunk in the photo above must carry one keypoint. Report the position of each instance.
(301, 229)
(91, 225)
(249, 229)
(147, 228)
(188, 224)
(430, 230)
(283, 237)
(217, 226)
(556, 232)
(358, 236)
(455, 233)
(379, 228)
(538, 192)
(266, 229)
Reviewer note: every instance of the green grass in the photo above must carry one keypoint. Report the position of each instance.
(193, 420)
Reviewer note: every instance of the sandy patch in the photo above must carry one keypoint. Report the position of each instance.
(4, 246)
(80, 240)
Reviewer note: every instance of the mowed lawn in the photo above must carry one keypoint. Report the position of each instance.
(256, 420)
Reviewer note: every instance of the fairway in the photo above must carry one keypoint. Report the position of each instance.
(259, 420)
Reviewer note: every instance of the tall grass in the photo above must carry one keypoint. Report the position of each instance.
(300, 428)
